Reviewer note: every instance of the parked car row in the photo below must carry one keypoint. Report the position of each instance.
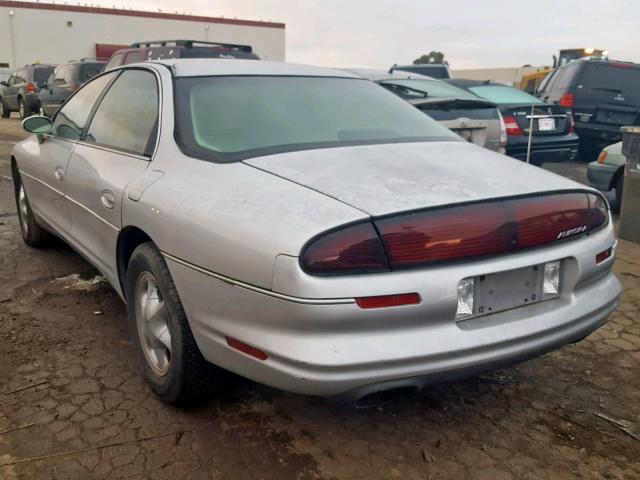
(603, 96)
(553, 138)
(43, 88)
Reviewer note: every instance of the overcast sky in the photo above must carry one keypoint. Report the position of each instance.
(471, 33)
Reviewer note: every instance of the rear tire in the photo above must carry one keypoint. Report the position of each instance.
(4, 111)
(173, 365)
(588, 150)
(23, 110)
(619, 189)
(32, 233)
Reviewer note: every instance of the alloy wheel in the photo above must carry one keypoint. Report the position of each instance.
(23, 210)
(152, 324)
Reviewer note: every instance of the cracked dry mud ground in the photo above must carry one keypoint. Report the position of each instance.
(88, 413)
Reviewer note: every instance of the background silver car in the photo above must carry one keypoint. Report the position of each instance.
(474, 119)
(309, 230)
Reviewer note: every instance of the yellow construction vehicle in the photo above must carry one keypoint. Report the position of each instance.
(530, 82)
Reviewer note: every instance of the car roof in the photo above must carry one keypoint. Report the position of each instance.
(197, 67)
(379, 74)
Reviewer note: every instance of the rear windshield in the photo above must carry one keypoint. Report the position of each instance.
(89, 70)
(611, 79)
(434, 71)
(204, 52)
(416, 88)
(234, 117)
(502, 95)
(42, 74)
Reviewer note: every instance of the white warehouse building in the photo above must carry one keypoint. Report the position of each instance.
(56, 33)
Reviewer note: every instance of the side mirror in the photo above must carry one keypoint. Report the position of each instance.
(37, 124)
(4, 84)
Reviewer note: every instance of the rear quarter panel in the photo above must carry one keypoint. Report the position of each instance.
(231, 219)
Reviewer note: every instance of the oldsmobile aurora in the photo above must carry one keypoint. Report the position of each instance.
(309, 230)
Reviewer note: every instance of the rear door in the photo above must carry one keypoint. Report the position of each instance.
(608, 93)
(116, 149)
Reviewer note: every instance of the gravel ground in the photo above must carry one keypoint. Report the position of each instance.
(72, 405)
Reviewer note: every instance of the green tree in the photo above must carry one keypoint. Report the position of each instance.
(431, 57)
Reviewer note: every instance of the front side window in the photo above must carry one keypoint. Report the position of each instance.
(72, 117)
(234, 117)
(501, 95)
(127, 117)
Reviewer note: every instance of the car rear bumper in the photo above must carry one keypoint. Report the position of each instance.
(601, 175)
(339, 349)
(32, 101)
(600, 133)
(545, 149)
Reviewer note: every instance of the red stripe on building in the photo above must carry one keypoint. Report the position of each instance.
(139, 13)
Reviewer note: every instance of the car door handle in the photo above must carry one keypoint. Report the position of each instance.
(59, 173)
(108, 200)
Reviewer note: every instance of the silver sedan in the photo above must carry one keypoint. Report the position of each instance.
(309, 230)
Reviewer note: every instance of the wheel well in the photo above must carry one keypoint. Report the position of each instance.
(128, 240)
(616, 176)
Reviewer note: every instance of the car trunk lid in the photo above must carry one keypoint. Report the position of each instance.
(548, 120)
(475, 121)
(383, 179)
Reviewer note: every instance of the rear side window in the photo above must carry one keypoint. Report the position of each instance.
(115, 61)
(89, 70)
(504, 95)
(134, 57)
(60, 75)
(20, 77)
(72, 117)
(566, 77)
(127, 117)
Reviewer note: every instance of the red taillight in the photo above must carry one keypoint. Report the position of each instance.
(453, 233)
(512, 127)
(490, 228)
(572, 123)
(354, 249)
(567, 99)
(248, 349)
(384, 301)
(31, 88)
(602, 256)
(598, 211)
(542, 220)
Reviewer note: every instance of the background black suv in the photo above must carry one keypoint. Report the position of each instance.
(20, 92)
(604, 95)
(65, 80)
(143, 51)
